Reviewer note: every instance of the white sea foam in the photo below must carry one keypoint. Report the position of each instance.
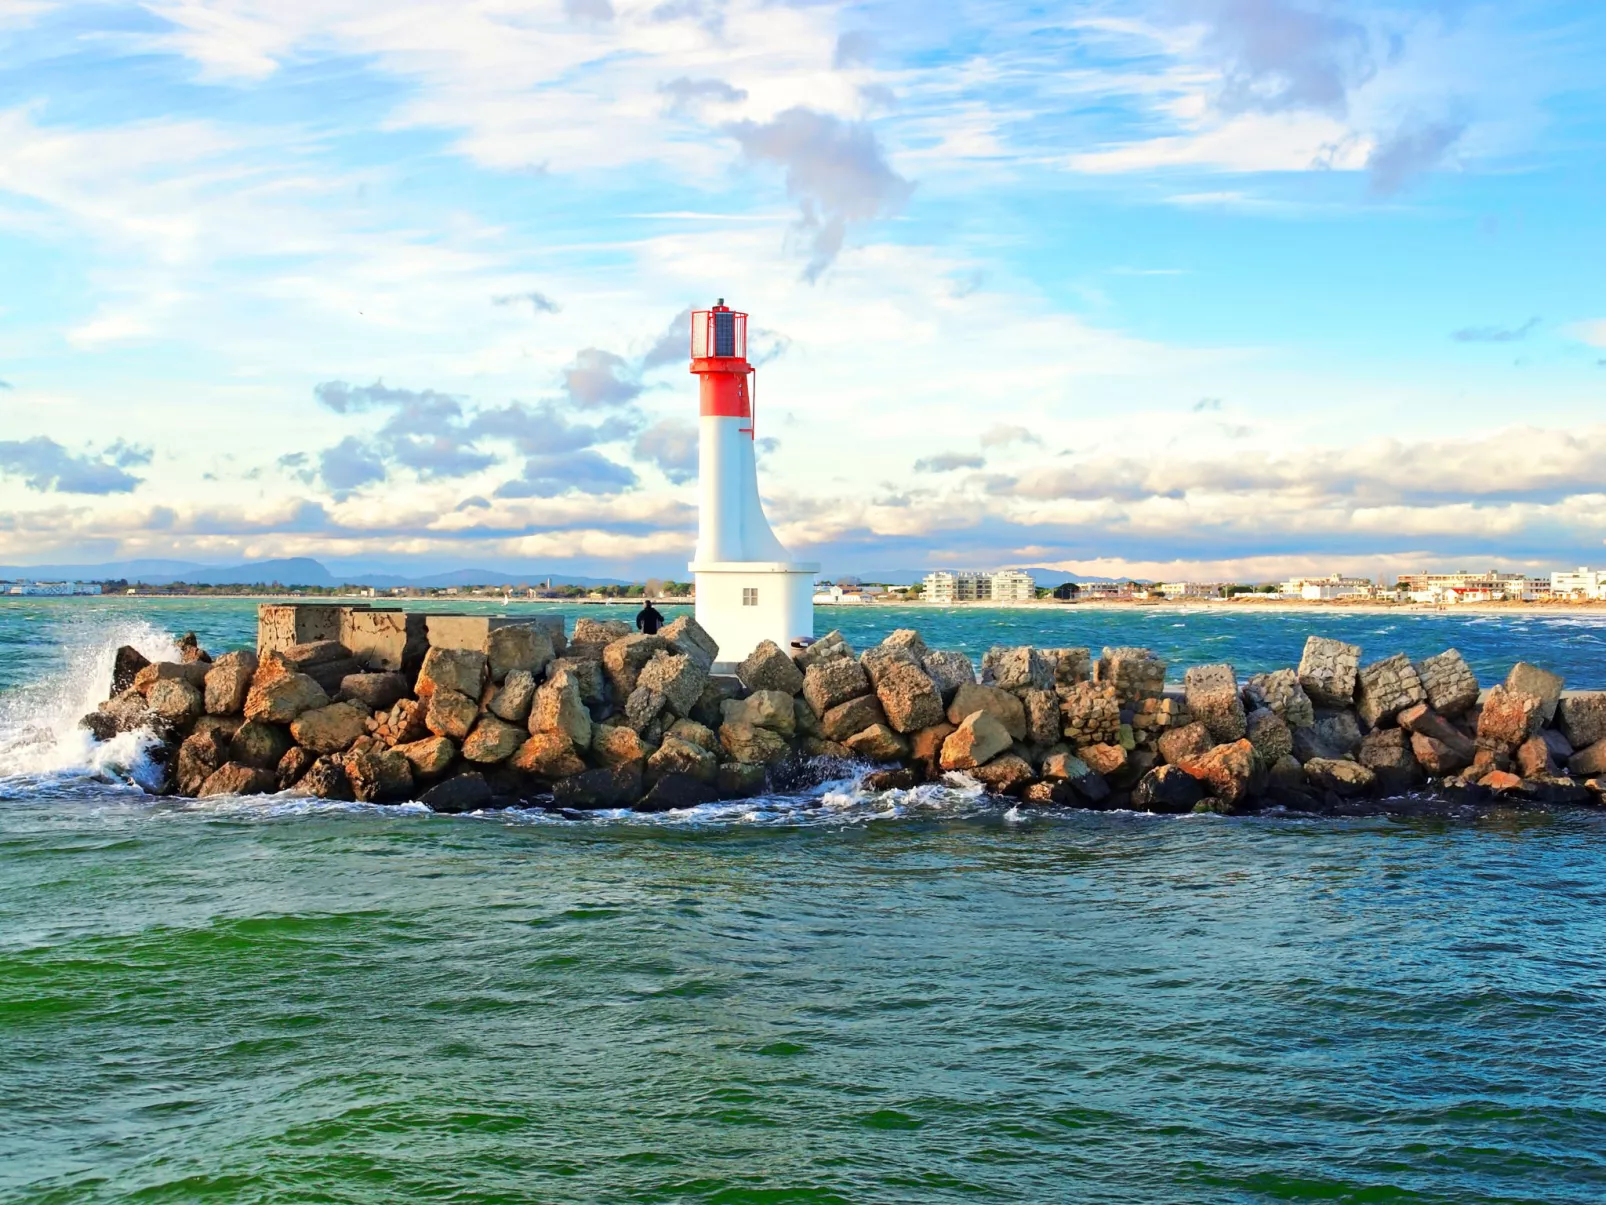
(39, 734)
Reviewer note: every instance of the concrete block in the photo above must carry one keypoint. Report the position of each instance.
(280, 625)
(388, 639)
(466, 631)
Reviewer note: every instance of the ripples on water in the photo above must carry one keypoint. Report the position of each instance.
(839, 996)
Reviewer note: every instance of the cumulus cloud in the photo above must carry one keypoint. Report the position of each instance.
(600, 11)
(947, 462)
(1494, 334)
(673, 345)
(671, 445)
(1412, 149)
(538, 302)
(853, 47)
(348, 465)
(684, 93)
(544, 428)
(1001, 435)
(599, 379)
(835, 170)
(46, 466)
(587, 472)
(1277, 55)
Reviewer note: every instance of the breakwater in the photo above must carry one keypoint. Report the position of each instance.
(469, 712)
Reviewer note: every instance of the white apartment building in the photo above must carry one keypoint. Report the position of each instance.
(1579, 583)
(53, 589)
(971, 585)
(1106, 590)
(1191, 589)
(1334, 585)
(1488, 586)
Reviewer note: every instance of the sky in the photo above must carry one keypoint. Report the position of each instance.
(1221, 289)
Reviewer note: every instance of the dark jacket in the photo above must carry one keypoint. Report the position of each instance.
(648, 619)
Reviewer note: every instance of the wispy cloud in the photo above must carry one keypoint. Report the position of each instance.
(947, 462)
(1495, 334)
(539, 303)
(1410, 150)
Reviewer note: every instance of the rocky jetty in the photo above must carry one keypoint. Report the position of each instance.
(469, 712)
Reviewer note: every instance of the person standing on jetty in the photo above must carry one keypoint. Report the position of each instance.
(648, 619)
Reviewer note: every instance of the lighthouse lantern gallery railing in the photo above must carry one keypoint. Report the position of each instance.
(720, 332)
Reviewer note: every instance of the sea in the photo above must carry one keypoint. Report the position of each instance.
(837, 995)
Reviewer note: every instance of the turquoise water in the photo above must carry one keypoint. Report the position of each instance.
(839, 997)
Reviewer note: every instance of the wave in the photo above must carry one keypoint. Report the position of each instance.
(40, 740)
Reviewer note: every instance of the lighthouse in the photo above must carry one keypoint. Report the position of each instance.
(749, 589)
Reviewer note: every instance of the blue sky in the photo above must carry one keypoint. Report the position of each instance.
(1223, 288)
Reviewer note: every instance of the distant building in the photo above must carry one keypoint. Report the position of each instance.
(1106, 590)
(53, 589)
(971, 585)
(1191, 589)
(840, 596)
(1334, 585)
(1488, 586)
(1579, 583)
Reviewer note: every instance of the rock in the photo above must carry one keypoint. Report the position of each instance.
(978, 738)
(751, 744)
(624, 659)
(1449, 683)
(828, 684)
(599, 631)
(925, 746)
(677, 677)
(1191, 740)
(587, 677)
(1387, 753)
(513, 698)
(1559, 746)
(643, 707)
(1211, 692)
(331, 729)
(1582, 718)
(292, 767)
(127, 712)
(429, 756)
(901, 779)
(770, 709)
(830, 647)
(492, 740)
(125, 668)
(548, 755)
(677, 756)
(1103, 759)
(1226, 771)
(517, 647)
(1004, 707)
(1070, 665)
(1327, 671)
(376, 692)
(1285, 782)
(1132, 673)
(878, 743)
(1006, 774)
(198, 758)
(675, 792)
(379, 775)
(228, 682)
(804, 721)
(465, 792)
(608, 787)
(326, 662)
(688, 638)
(167, 671)
(1152, 718)
(260, 745)
(99, 725)
(769, 668)
(1502, 782)
(1341, 776)
(1269, 734)
(909, 698)
(1588, 762)
(1508, 718)
(614, 745)
(1334, 735)
(1016, 668)
(176, 702)
(450, 713)
(1090, 714)
(326, 778)
(190, 650)
(402, 723)
(710, 709)
(697, 734)
(1281, 693)
(232, 778)
(464, 671)
(950, 670)
(1042, 716)
(282, 698)
(1530, 679)
(740, 780)
(1385, 688)
(1534, 760)
(559, 708)
(843, 720)
(1167, 789)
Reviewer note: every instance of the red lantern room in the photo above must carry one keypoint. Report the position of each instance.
(719, 359)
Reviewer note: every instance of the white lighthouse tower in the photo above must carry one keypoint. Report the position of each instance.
(749, 589)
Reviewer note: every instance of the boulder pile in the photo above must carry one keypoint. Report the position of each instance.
(464, 712)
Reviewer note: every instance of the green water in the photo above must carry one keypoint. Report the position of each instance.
(841, 996)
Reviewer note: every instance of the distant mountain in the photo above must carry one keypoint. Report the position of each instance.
(287, 572)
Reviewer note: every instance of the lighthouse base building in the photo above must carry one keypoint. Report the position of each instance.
(749, 589)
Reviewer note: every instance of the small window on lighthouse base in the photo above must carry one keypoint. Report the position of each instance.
(749, 596)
